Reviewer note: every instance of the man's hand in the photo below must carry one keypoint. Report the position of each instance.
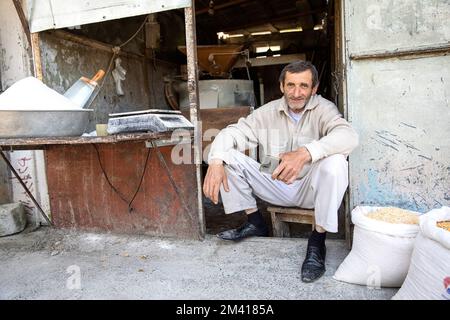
(291, 164)
(215, 176)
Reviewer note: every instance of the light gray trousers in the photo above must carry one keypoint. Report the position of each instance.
(321, 189)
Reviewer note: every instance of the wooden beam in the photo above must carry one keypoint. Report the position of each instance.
(36, 51)
(9, 144)
(91, 43)
(194, 108)
(99, 45)
(273, 20)
(23, 19)
(221, 6)
(292, 210)
(280, 229)
(424, 50)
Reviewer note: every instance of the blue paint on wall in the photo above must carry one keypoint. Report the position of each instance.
(375, 193)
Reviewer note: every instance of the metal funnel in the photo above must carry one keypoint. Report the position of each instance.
(216, 60)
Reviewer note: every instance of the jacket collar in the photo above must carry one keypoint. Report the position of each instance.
(312, 103)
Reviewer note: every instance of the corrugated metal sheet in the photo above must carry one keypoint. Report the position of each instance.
(398, 101)
(54, 14)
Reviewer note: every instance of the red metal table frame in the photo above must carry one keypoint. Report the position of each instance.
(78, 170)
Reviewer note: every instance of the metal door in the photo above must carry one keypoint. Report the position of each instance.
(397, 79)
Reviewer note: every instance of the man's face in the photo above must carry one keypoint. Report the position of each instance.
(298, 89)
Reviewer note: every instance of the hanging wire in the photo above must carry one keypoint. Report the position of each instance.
(135, 34)
(116, 51)
(108, 70)
(122, 197)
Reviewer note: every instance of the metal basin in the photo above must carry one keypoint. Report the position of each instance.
(43, 123)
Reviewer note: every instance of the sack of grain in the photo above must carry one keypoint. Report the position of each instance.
(429, 272)
(383, 240)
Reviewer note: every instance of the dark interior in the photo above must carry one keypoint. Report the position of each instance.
(267, 35)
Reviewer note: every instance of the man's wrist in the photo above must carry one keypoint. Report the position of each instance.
(305, 154)
(216, 162)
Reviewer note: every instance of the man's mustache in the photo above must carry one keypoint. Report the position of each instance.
(297, 98)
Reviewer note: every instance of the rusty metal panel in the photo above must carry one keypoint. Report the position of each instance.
(81, 198)
(399, 104)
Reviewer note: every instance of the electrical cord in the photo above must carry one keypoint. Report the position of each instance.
(129, 203)
(140, 181)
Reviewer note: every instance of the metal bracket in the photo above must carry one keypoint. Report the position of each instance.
(180, 139)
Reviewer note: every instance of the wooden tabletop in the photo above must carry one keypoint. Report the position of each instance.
(40, 143)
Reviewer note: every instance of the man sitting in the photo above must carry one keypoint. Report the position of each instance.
(309, 141)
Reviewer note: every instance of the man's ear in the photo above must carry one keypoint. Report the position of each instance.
(314, 90)
(282, 87)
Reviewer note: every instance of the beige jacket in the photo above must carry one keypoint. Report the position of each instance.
(321, 129)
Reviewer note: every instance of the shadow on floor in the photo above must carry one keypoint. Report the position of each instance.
(217, 220)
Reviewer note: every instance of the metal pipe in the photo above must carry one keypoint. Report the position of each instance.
(192, 84)
(25, 187)
(348, 199)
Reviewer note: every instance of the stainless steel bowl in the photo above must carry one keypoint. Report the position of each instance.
(43, 123)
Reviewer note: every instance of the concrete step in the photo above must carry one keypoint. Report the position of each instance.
(12, 218)
(39, 264)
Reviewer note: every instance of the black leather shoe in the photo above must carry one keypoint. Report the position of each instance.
(244, 231)
(314, 265)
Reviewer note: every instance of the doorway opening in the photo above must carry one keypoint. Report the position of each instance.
(268, 35)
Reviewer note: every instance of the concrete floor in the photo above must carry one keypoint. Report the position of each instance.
(45, 264)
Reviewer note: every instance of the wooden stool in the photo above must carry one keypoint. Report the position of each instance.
(282, 215)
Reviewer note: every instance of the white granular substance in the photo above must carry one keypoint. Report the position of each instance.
(31, 94)
(394, 215)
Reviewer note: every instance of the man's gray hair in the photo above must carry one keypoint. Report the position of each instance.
(300, 66)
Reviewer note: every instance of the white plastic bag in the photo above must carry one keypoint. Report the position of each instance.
(119, 75)
(381, 251)
(429, 272)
